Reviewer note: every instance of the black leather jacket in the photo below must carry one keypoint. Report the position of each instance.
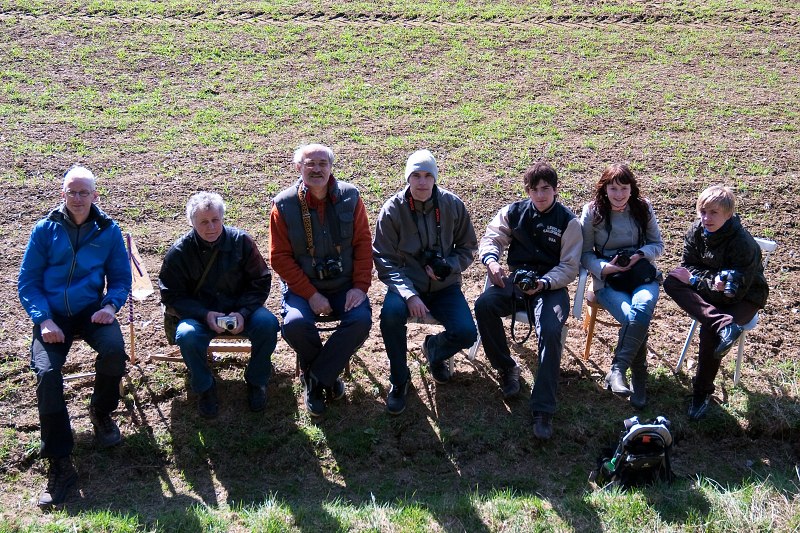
(729, 248)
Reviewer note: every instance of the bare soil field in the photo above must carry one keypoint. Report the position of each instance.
(164, 106)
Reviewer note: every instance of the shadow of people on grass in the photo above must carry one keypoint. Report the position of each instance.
(131, 478)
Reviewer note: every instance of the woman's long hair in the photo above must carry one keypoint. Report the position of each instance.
(621, 173)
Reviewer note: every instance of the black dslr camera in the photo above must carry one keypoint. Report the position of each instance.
(733, 281)
(525, 280)
(434, 259)
(624, 257)
(328, 268)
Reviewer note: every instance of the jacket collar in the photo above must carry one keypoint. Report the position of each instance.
(96, 215)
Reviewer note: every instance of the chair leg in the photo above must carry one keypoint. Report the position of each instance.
(588, 324)
(473, 351)
(738, 372)
(686, 344)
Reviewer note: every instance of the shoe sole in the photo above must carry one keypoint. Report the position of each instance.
(395, 413)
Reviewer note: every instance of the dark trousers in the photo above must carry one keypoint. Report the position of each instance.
(47, 359)
(550, 310)
(448, 306)
(712, 318)
(325, 362)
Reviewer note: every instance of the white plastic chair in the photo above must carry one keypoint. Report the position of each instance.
(767, 247)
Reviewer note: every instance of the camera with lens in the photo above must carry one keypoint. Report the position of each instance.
(328, 268)
(227, 322)
(624, 257)
(733, 280)
(438, 264)
(524, 279)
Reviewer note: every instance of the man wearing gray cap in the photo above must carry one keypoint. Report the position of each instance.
(424, 240)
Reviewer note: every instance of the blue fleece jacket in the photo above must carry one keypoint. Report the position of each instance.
(67, 267)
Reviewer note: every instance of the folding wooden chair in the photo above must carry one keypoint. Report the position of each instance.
(767, 247)
(224, 343)
(592, 309)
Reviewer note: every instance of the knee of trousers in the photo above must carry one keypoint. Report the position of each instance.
(298, 329)
(264, 326)
(464, 335)
(50, 392)
(112, 363)
(391, 320)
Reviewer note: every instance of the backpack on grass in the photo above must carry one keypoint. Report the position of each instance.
(642, 456)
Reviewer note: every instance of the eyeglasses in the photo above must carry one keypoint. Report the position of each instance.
(321, 163)
(82, 194)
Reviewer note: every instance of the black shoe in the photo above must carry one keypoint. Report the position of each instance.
(699, 406)
(542, 425)
(106, 431)
(336, 392)
(616, 382)
(256, 397)
(61, 476)
(727, 338)
(439, 370)
(313, 396)
(208, 405)
(510, 381)
(638, 397)
(396, 400)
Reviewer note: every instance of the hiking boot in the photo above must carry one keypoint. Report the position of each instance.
(106, 431)
(439, 370)
(61, 476)
(727, 338)
(510, 381)
(256, 397)
(699, 406)
(208, 405)
(616, 382)
(336, 392)
(396, 400)
(542, 425)
(313, 396)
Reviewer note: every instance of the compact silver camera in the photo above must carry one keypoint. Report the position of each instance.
(227, 322)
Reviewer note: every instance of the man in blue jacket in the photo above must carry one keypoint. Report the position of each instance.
(75, 276)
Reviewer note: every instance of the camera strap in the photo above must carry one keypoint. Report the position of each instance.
(206, 270)
(306, 215)
(436, 213)
(526, 300)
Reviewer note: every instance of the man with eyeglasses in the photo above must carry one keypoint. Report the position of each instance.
(75, 276)
(321, 247)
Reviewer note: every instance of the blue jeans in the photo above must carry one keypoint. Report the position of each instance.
(550, 310)
(325, 362)
(193, 338)
(633, 312)
(448, 306)
(47, 359)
